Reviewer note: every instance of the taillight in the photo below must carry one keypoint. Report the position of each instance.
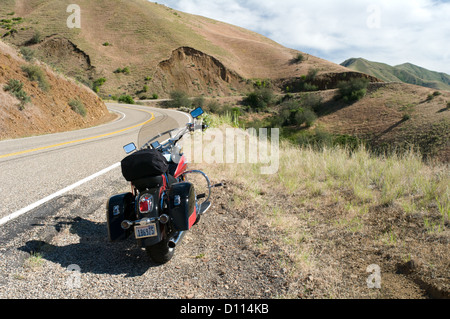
(146, 203)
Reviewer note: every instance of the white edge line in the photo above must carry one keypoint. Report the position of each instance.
(24, 210)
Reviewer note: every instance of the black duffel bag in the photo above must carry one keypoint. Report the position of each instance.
(144, 163)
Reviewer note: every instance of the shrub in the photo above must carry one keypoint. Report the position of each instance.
(293, 112)
(16, 89)
(35, 73)
(313, 101)
(28, 54)
(13, 86)
(312, 74)
(212, 107)
(179, 99)
(127, 99)
(36, 38)
(155, 96)
(97, 84)
(259, 99)
(299, 58)
(198, 102)
(125, 70)
(309, 87)
(353, 90)
(305, 116)
(78, 107)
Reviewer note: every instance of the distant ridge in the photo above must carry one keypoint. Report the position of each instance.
(407, 73)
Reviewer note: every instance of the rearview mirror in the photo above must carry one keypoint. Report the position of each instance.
(197, 112)
(129, 148)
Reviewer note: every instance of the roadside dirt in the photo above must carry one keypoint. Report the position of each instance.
(217, 259)
(235, 251)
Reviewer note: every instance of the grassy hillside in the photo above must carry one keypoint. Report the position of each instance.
(407, 73)
(333, 212)
(161, 49)
(386, 117)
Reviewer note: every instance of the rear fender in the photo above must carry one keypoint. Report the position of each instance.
(156, 212)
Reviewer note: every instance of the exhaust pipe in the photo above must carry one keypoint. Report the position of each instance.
(173, 242)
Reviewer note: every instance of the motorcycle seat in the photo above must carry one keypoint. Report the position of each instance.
(153, 182)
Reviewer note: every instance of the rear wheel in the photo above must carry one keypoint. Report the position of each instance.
(160, 253)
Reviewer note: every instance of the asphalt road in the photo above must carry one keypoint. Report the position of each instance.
(36, 170)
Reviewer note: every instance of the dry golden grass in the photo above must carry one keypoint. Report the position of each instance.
(335, 212)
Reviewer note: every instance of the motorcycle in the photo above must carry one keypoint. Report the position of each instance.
(162, 205)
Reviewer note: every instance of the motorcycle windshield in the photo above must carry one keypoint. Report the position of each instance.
(159, 130)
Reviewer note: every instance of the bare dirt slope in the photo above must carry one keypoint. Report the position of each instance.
(48, 110)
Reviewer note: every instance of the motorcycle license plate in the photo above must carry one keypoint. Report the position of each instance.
(145, 231)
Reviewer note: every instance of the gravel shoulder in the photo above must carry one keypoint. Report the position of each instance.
(67, 255)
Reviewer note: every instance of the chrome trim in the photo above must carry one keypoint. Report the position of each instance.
(173, 242)
(205, 176)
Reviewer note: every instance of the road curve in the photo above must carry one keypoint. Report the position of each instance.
(34, 168)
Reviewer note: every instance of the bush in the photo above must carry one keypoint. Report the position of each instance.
(212, 107)
(155, 96)
(313, 101)
(78, 107)
(125, 70)
(198, 102)
(13, 86)
(179, 99)
(299, 58)
(97, 84)
(16, 89)
(127, 99)
(305, 116)
(35, 73)
(28, 54)
(353, 90)
(312, 74)
(259, 99)
(36, 38)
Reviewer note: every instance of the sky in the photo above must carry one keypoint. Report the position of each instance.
(388, 31)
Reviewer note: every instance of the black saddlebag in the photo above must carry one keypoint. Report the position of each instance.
(119, 208)
(144, 163)
(182, 207)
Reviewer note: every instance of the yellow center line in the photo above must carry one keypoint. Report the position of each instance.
(84, 139)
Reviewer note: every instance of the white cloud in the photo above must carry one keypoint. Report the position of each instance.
(394, 32)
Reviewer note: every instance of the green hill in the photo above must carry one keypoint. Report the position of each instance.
(407, 73)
